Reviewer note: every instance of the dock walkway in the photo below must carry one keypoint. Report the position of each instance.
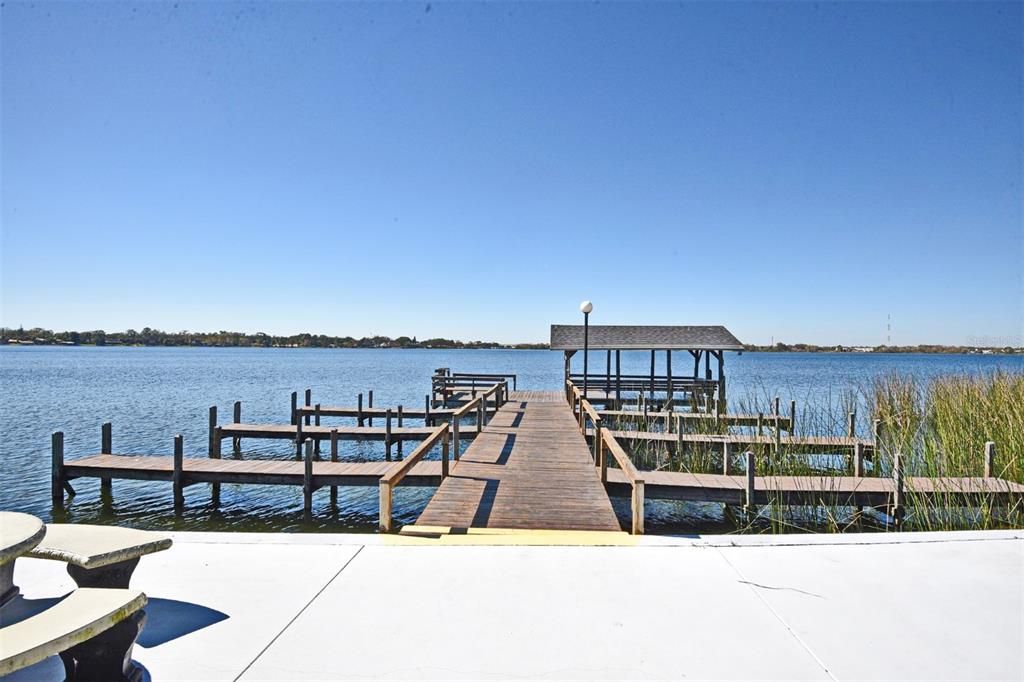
(530, 468)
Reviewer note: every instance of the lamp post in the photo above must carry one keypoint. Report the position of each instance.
(585, 308)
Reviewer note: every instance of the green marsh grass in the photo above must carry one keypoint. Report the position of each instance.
(939, 427)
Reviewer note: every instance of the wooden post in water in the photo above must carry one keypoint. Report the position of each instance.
(295, 406)
(106, 448)
(334, 458)
(387, 434)
(307, 479)
(792, 417)
(384, 522)
(213, 425)
(444, 453)
(480, 411)
(604, 459)
(316, 421)
(359, 410)
(775, 406)
(400, 440)
(57, 468)
(897, 507)
(638, 508)
(369, 403)
(851, 426)
(990, 459)
(309, 403)
(726, 456)
(215, 487)
(750, 482)
(858, 459)
(455, 437)
(298, 439)
(178, 476)
(236, 442)
(426, 411)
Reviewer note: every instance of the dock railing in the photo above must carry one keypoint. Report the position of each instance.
(588, 419)
(498, 391)
(606, 443)
(397, 472)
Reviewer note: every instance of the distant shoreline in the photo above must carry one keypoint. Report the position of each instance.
(832, 350)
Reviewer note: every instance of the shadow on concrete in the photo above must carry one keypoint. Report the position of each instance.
(168, 619)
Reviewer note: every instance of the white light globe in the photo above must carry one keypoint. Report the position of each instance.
(586, 307)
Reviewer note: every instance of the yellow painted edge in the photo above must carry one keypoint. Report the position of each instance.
(441, 535)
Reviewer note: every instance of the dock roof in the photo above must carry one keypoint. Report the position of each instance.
(644, 337)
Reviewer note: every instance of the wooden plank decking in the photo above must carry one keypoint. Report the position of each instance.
(530, 468)
(840, 490)
(252, 471)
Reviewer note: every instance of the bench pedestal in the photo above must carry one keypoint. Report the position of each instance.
(107, 657)
(112, 575)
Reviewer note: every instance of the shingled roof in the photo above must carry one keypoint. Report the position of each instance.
(638, 337)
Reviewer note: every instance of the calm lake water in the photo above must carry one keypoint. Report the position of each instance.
(151, 394)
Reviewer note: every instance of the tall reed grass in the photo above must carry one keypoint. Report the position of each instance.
(939, 427)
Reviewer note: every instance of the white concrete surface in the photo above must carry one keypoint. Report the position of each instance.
(289, 606)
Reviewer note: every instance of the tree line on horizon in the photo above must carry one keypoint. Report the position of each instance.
(228, 339)
(156, 337)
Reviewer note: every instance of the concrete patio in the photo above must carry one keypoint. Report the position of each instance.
(551, 606)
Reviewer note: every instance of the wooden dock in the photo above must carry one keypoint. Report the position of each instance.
(530, 468)
(541, 460)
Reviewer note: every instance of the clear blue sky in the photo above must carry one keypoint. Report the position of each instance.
(793, 171)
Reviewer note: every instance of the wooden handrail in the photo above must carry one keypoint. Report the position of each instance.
(398, 471)
(606, 441)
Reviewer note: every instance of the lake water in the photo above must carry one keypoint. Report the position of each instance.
(151, 394)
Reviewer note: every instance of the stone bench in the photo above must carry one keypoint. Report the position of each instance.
(93, 630)
(98, 556)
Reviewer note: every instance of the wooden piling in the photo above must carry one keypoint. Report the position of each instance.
(307, 479)
(775, 406)
(369, 403)
(480, 411)
(851, 426)
(309, 403)
(897, 506)
(444, 455)
(387, 434)
(990, 459)
(215, 487)
(637, 508)
(858, 459)
(334, 458)
(400, 440)
(359, 410)
(178, 476)
(455, 437)
(316, 421)
(726, 456)
(295, 406)
(106, 448)
(384, 522)
(236, 442)
(750, 482)
(426, 410)
(792, 417)
(57, 468)
(213, 425)
(298, 439)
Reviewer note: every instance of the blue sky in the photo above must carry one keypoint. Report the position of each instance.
(795, 171)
